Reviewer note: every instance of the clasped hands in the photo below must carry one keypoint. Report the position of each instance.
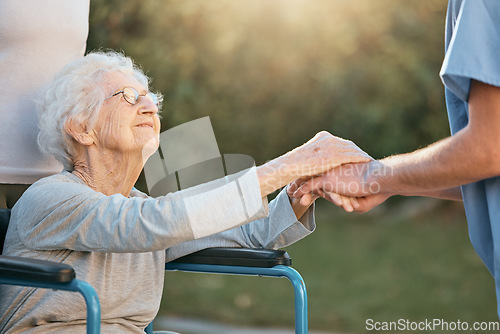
(343, 176)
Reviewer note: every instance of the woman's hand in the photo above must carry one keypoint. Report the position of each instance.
(320, 154)
(323, 152)
(300, 206)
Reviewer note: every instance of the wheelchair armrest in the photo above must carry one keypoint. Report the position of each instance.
(15, 267)
(244, 257)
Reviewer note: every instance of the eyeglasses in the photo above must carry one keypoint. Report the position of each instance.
(131, 95)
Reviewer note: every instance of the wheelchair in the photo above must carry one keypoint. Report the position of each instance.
(234, 261)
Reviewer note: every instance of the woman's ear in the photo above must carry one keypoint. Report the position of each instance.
(79, 132)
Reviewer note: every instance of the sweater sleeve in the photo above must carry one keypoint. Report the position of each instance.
(280, 229)
(62, 213)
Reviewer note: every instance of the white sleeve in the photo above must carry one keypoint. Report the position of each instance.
(70, 215)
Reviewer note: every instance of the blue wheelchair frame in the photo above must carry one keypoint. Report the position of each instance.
(235, 261)
(49, 275)
(248, 262)
(21, 271)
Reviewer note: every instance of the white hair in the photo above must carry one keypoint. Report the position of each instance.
(77, 93)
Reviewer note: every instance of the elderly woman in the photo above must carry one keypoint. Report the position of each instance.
(98, 118)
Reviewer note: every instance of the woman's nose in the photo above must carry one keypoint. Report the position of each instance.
(148, 105)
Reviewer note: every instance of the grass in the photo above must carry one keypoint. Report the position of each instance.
(410, 259)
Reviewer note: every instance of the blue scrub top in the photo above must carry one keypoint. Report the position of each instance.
(473, 52)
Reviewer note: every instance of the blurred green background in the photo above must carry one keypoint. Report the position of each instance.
(270, 74)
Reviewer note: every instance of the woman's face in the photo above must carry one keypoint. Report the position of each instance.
(125, 127)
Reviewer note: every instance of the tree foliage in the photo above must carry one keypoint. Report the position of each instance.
(270, 74)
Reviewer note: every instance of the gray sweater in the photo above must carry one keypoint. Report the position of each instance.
(118, 244)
